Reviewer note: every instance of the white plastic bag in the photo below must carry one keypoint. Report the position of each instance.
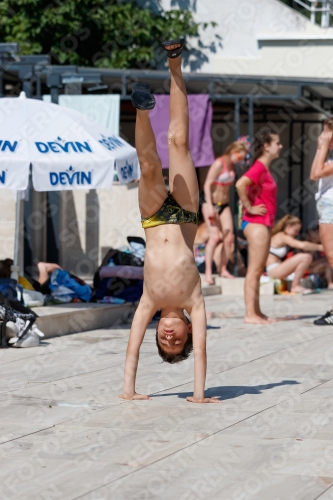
(32, 298)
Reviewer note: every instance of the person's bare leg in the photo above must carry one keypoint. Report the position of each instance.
(152, 189)
(209, 254)
(228, 239)
(182, 175)
(304, 263)
(214, 238)
(296, 264)
(322, 267)
(258, 238)
(328, 276)
(217, 256)
(326, 236)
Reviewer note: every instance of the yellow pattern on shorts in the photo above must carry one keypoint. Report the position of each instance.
(170, 213)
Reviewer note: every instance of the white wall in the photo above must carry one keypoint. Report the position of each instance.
(93, 221)
(232, 47)
(300, 59)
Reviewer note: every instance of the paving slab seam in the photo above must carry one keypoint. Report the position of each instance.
(62, 337)
(323, 492)
(54, 425)
(315, 387)
(32, 355)
(48, 353)
(148, 355)
(170, 388)
(173, 453)
(270, 354)
(125, 335)
(20, 388)
(63, 422)
(85, 373)
(29, 434)
(188, 446)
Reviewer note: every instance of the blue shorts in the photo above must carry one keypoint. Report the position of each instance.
(245, 223)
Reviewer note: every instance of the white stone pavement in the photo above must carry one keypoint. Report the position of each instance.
(66, 435)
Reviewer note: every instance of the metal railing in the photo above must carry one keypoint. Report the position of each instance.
(321, 10)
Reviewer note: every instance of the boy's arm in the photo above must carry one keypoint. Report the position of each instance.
(198, 318)
(141, 320)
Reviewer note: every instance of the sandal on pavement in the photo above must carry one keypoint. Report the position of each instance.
(173, 53)
(141, 97)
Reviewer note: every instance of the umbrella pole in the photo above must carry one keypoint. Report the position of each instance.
(15, 267)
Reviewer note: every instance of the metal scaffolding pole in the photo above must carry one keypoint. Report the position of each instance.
(250, 114)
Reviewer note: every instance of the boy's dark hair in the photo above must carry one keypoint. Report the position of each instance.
(176, 358)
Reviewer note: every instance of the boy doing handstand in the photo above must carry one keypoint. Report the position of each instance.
(171, 279)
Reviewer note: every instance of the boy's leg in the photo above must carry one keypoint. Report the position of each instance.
(152, 189)
(182, 175)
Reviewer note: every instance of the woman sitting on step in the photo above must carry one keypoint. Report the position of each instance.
(284, 235)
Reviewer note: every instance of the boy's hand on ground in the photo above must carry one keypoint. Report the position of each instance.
(134, 397)
(192, 399)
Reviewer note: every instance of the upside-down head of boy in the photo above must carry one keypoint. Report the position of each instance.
(174, 339)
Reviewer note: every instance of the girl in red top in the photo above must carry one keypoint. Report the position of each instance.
(257, 190)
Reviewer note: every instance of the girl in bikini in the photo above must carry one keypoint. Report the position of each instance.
(284, 235)
(171, 280)
(216, 209)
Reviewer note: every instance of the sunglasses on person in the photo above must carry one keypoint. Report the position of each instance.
(239, 156)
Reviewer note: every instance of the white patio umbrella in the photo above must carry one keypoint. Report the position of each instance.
(66, 150)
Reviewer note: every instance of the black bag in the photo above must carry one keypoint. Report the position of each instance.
(120, 259)
(9, 311)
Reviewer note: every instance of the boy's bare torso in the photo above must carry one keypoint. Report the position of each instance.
(171, 278)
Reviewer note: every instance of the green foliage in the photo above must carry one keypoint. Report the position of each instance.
(112, 33)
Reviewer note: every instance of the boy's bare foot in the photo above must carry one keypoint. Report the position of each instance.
(226, 274)
(256, 320)
(135, 397)
(192, 399)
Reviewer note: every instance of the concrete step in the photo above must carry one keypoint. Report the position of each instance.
(62, 319)
(234, 286)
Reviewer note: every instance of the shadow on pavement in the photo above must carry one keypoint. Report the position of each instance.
(293, 318)
(230, 392)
